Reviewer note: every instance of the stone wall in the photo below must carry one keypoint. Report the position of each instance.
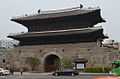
(96, 55)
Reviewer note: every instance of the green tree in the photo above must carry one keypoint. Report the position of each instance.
(64, 63)
(33, 62)
(67, 63)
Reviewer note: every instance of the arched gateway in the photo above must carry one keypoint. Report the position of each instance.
(49, 63)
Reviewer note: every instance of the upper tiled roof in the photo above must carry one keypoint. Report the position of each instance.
(57, 13)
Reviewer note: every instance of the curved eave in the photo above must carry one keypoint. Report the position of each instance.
(58, 33)
(78, 12)
(54, 15)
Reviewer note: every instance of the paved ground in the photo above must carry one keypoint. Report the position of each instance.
(45, 77)
(49, 76)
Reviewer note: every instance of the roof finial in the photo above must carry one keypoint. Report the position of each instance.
(97, 6)
(39, 10)
(25, 14)
(81, 6)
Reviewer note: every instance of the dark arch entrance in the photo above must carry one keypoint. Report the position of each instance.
(50, 63)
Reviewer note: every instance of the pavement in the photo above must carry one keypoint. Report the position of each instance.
(30, 73)
(50, 73)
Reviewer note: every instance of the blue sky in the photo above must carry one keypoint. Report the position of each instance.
(110, 10)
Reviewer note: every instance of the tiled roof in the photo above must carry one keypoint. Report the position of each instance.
(56, 33)
(57, 13)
